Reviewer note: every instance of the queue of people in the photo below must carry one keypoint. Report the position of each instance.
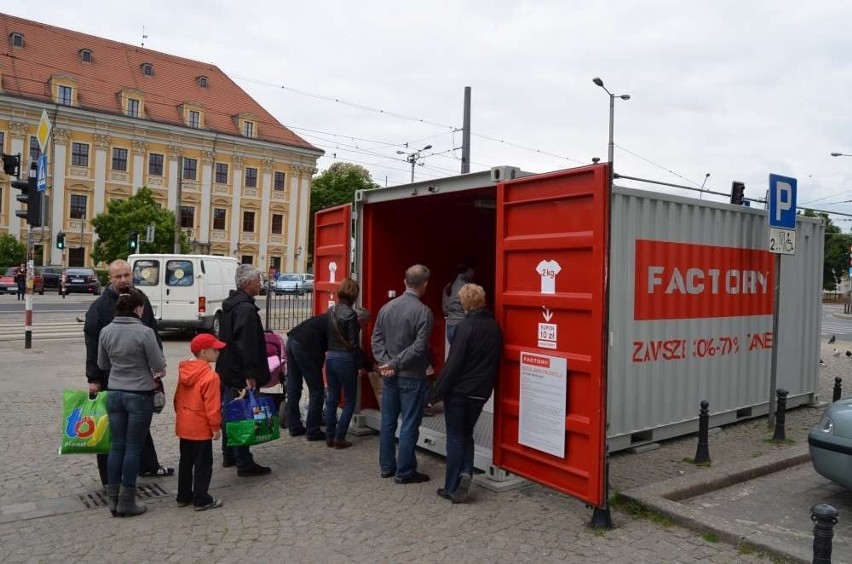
(124, 356)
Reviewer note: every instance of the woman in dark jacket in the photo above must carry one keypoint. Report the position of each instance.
(465, 384)
(344, 362)
(130, 352)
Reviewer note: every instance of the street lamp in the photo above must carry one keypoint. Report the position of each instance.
(840, 155)
(414, 157)
(612, 98)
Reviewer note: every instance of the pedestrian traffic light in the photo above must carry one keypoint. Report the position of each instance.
(737, 193)
(31, 197)
(60, 240)
(134, 241)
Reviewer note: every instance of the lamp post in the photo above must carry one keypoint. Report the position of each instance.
(612, 98)
(414, 157)
(840, 155)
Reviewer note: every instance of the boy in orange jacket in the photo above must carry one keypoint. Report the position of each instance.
(198, 420)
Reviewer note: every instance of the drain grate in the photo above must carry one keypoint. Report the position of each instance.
(150, 491)
(93, 500)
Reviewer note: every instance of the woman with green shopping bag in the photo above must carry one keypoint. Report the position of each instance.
(129, 351)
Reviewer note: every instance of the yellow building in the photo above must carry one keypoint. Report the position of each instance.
(125, 117)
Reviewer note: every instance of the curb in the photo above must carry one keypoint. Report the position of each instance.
(664, 498)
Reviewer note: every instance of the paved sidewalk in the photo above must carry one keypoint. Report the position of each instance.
(321, 504)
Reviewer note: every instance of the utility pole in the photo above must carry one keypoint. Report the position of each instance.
(177, 205)
(413, 157)
(465, 160)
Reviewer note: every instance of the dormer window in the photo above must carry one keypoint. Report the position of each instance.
(65, 95)
(202, 81)
(86, 55)
(194, 119)
(17, 40)
(248, 129)
(147, 69)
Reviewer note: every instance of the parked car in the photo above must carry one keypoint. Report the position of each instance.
(82, 280)
(51, 275)
(9, 286)
(830, 443)
(292, 283)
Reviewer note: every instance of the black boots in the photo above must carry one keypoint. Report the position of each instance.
(127, 506)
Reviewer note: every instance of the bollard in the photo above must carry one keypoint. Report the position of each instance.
(825, 518)
(838, 381)
(702, 453)
(780, 435)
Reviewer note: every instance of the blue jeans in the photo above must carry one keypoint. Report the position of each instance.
(129, 422)
(460, 414)
(406, 397)
(341, 374)
(240, 455)
(301, 366)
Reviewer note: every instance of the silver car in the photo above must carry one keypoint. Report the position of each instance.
(293, 283)
(830, 443)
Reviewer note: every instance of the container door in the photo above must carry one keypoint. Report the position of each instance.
(332, 242)
(551, 301)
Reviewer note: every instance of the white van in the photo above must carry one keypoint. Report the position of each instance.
(186, 291)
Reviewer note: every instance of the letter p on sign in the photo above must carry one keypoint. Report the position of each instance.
(782, 201)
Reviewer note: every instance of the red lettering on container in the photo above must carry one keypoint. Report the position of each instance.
(689, 281)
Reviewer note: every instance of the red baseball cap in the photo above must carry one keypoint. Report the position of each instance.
(205, 341)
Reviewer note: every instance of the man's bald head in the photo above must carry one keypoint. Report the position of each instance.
(120, 276)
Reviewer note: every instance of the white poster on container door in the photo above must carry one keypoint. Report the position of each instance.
(543, 401)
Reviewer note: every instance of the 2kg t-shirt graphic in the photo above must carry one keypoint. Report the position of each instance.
(548, 269)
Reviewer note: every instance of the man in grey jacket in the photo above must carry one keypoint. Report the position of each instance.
(400, 344)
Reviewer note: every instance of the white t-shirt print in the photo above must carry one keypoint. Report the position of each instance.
(548, 269)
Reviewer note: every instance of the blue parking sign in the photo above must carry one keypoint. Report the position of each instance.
(782, 201)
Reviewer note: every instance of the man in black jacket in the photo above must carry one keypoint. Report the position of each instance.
(466, 382)
(242, 364)
(100, 314)
(307, 343)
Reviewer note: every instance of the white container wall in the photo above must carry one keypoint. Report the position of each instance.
(690, 316)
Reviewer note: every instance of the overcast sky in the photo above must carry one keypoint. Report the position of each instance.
(738, 89)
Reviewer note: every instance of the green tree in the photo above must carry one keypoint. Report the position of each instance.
(134, 214)
(836, 252)
(12, 251)
(335, 186)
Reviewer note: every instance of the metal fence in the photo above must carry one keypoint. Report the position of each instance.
(285, 311)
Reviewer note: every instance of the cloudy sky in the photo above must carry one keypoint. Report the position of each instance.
(738, 89)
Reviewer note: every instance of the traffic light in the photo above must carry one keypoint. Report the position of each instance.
(737, 193)
(31, 197)
(12, 165)
(60, 240)
(134, 241)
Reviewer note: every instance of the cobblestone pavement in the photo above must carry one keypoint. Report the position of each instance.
(322, 504)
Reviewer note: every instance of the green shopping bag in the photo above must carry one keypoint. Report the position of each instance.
(251, 420)
(85, 425)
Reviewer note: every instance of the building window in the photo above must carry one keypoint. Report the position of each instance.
(119, 159)
(248, 129)
(187, 217)
(190, 168)
(221, 173)
(248, 222)
(278, 184)
(277, 224)
(64, 98)
(194, 119)
(251, 177)
(275, 263)
(133, 107)
(17, 40)
(79, 154)
(35, 151)
(147, 69)
(247, 259)
(78, 206)
(2, 141)
(86, 55)
(155, 164)
(202, 81)
(219, 215)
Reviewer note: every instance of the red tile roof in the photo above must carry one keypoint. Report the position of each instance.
(53, 51)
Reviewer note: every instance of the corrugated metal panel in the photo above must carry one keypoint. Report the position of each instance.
(688, 316)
